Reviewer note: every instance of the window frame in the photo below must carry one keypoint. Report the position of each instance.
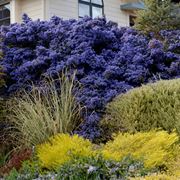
(4, 3)
(91, 5)
(132, 17)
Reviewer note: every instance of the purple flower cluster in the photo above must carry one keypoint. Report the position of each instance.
(108, 60)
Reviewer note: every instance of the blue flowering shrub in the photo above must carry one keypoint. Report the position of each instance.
(108, 60)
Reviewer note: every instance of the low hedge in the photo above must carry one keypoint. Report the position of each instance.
(157, 149)
(72, 157)
(151, 106)
(61, 149)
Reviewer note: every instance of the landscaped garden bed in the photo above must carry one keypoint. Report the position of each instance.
(85, 99)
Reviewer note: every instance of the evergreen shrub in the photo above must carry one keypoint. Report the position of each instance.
(63, 148)
(156, 176)
(155, 148)
(157, 16)
(151, 106)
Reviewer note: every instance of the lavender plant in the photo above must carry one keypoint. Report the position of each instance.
(108, 60)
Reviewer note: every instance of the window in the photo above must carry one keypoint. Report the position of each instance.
(5, 14)
(132, 20)
(92, 8)
(175, 1)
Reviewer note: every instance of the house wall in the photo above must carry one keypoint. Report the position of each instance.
(34, 9)
(15, 11)
(45, 9)
(113, 12)
(67, 9)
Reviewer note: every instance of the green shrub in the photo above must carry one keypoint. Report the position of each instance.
(29, 170)
(97, 168)
(84, 168)
(151, 106)
(157, 16)
(45, 112)
(13, 175)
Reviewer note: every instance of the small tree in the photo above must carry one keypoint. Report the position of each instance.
(158, 15)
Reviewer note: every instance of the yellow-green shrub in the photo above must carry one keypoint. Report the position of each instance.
(174, 165)
(62, 148)
(155, 148)
(149, 107)
(156, 177)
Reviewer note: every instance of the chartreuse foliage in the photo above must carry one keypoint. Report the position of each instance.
(173, 165)
(45, 112)
(73, 157)
(109, 60)
(155, 149)
(61, 149)
(151, 106)
(156, 177)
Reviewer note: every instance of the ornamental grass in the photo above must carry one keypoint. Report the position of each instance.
(45, 112)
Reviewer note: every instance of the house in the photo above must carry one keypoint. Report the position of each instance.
(120, 11)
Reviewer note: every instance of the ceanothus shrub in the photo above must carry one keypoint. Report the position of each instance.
(108, 60)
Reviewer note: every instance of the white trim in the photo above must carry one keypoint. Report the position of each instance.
(13, 11)
(15, 14)
(43, 9)
(47, 9)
